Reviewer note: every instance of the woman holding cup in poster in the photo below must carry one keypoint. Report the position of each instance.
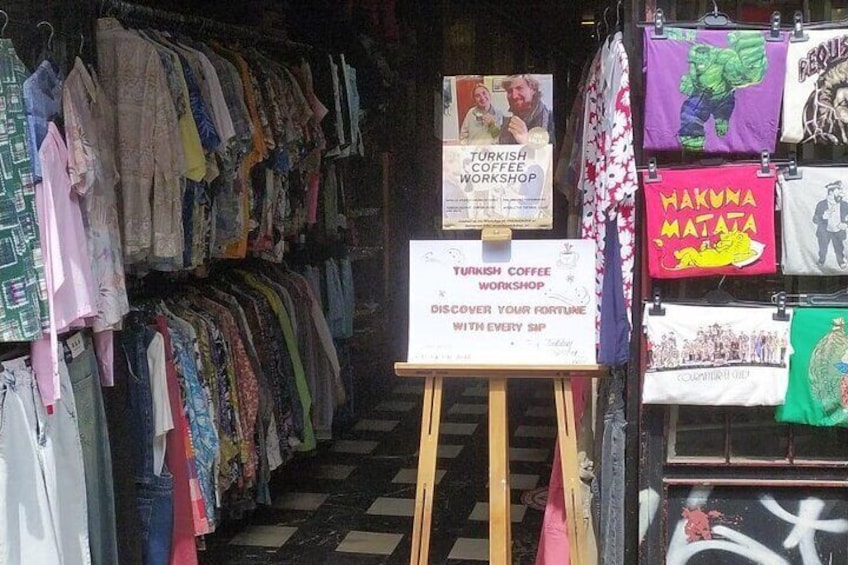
(481, 125)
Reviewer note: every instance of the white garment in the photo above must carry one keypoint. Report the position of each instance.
(805, 69)
(800, 198)
(163, 420)
(702, 355)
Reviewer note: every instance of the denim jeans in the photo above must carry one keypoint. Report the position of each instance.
(611, 480)
(27, 533)
(64, 474)
(154, 495)
(97, 457)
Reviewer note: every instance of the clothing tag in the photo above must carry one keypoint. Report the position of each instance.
(76, 345)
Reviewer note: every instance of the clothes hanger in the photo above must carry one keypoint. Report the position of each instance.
(718, 295)
(838, 298)
(5, 24)
(52, 33)
(715, 18)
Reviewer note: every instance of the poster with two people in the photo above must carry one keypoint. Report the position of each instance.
(497, 155)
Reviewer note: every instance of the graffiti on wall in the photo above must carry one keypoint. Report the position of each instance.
(730, 526)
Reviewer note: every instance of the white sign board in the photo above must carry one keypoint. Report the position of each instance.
(529, 302)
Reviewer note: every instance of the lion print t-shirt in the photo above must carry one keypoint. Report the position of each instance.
(814, 215)
(815, 94)
(710, 221)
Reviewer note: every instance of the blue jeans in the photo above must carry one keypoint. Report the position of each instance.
(154, 495)
(610, 504)
(97, 459)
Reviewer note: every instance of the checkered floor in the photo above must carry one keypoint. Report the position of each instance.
(352, 502)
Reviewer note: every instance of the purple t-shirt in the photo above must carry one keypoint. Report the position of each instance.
(713, 91)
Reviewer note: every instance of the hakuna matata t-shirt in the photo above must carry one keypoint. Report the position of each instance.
(815, 222)
(716, 356)
(818, 369)
(815, 94)
(710, 221)
(715, 91)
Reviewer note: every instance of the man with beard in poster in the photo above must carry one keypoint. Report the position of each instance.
(831, 219)
(524, 94)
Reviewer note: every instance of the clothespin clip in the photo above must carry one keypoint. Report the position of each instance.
(798, 34)
(792, 172)
(781, 315)
(765, 165)
(653, 174)
(774, 28)
(656, 308)
(659, 25)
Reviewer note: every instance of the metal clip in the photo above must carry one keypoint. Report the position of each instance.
(781, 315)
(765, 165)
(656, 309)
(653, 175)
(774, 28)
(792, 172)
(659, 25)
(798, 34)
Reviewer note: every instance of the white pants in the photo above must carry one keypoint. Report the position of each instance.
(43, 516)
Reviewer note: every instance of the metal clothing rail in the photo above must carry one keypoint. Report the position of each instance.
(130, 11)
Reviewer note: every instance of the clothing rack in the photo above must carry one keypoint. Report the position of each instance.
(130, 11)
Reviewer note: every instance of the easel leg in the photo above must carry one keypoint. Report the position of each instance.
(426, 480)
(567, 438)
(500, 525)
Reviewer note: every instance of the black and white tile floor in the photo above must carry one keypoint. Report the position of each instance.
(352, 502)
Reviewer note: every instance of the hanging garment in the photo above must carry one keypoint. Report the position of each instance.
(149, 157)
(89, 127)
(814, 91)
(716, 356)
(70, 292)
(716, 221)
(83, 371)
(27, 533)
(712, 90)
(554, 547)
(43, 102)
(814, 213)
(818, 369)
(23, 289)
(608, 180)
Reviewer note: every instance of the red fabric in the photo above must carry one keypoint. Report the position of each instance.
(183, 548)
(554, 548)
(711, 221)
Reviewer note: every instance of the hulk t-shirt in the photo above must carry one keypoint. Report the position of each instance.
(818, 369)
(713, 91)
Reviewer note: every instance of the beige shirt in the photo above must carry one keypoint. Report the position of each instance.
(149, 155)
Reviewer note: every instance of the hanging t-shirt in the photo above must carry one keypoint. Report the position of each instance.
(715, 221)
(815, 221)
(814, 94)
(716, 356)
(818, 369)
(710, 90)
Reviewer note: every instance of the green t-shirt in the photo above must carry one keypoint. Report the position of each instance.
(818, 369)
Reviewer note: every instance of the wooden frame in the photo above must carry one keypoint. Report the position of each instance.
(500, 524)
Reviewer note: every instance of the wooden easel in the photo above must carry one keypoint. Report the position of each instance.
(500, 525)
